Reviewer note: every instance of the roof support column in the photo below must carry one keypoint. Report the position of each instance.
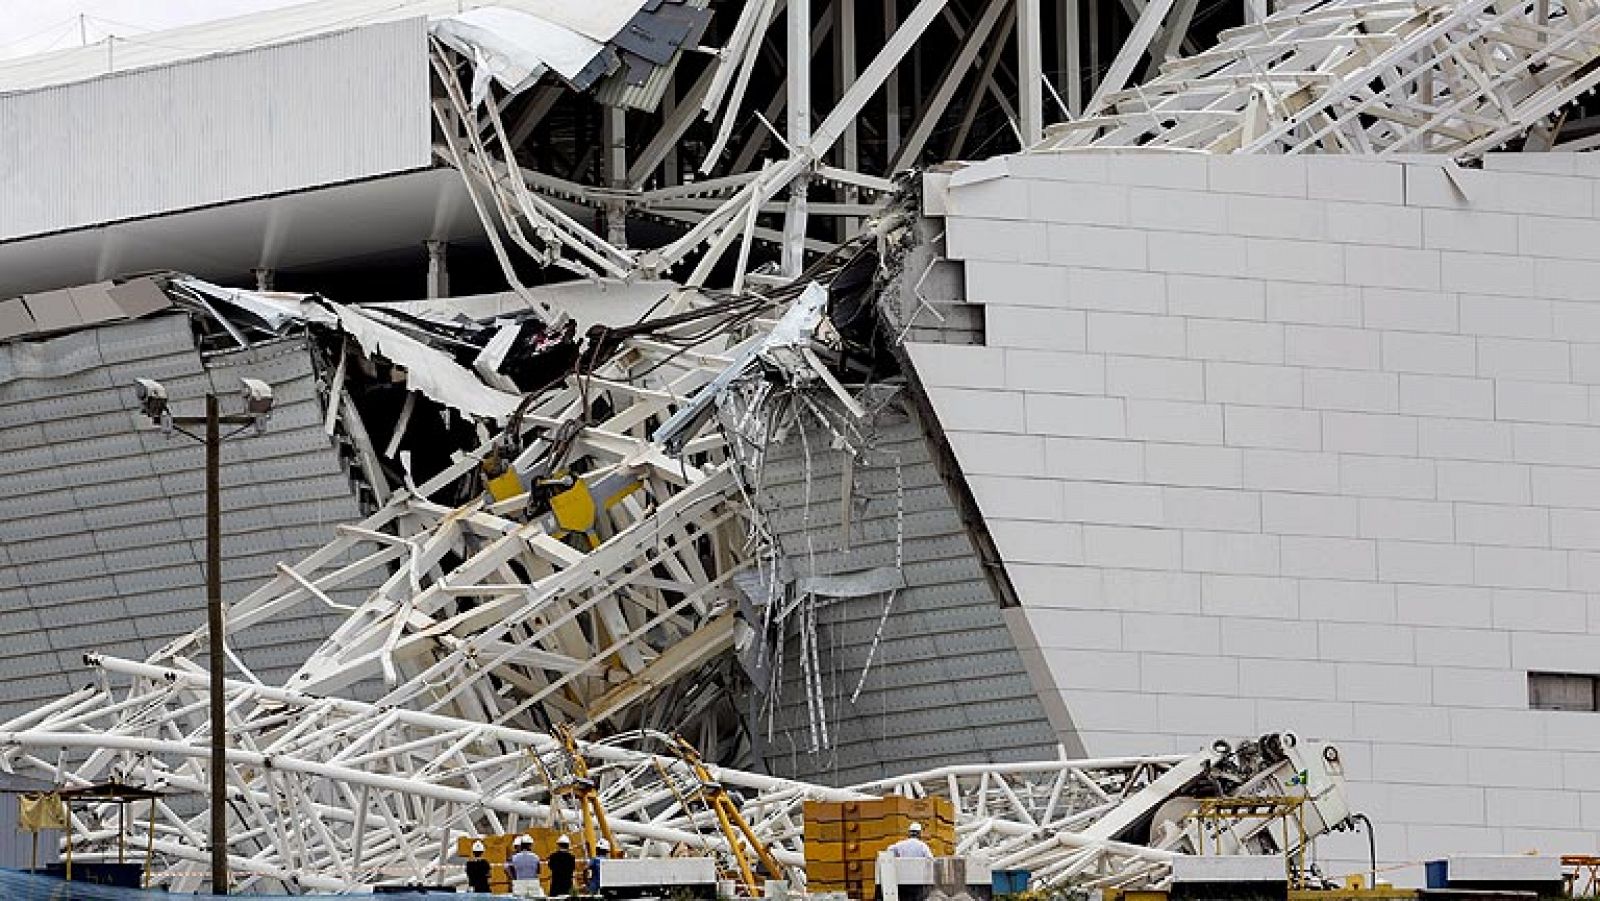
(438, 269)
(798, 52)
(614, 171)
(1030, 73)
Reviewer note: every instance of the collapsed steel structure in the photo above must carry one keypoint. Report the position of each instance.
(597, 556)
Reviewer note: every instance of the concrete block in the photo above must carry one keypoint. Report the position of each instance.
(1485, 273)
(1246, 383)
(1136, 335)
(1347, 602)
(1479, 648)
(1369, 433)
(1534, 361)
(1313, 304)
(1464, 439)
(1199, 715)
(1171, 633)
(984, 453)
(1540, 611)
(1193, 465)
(1040, 329)
(1281, 639)
(1506, 317)
(1313, 718)
(1008, 497)
(1272, 427)
(1432, 564)
(1500, 688)
(1419, 764)
(1429, 354)
(1190, 869)
(1365, 223)
(1087, 629)
(1155, 377)
(1073, 202)
(1160, 170)
(934, 187)
(958, 365)
(1367, 643)
(1565, 280)
(1386, 477)
(1273, 470)
(1575, 320)
(1189, 674)
(1549, 236)
(1517, 567)
(1473, 231)
(1578, 529)
(1353, 178)
(1297, 261)
(1311, 680)
(1111, 711)
(1440, 804)
(1407, 520)
(1541, 402)
(1503, 525)
(1176, 421)
(1074, 416)
(1309, 514)
(1098, 246)
(1117, 290)
(1524, 807)
(1342, 389)
(1413, 311)
(1198, 254)
(1052, 371)
(1051, 543)
(1088, 168)
(1153, 592)
(1585, 362)
(1278, 176)
(1327, 558)
(1184, 211)
(1554, 653)
(961, 409)
(1392, 267)
(1097, 670)
(1112, 503)
(1567, 445)
(1239, 342)
(1079, 458)
(1581, 772)
(1279, 216)
(996, 198)
(1330, 347)
(1450, 396)
(992, 239)
(1489, 483)
(1133, 548)
(1437, 605)
(1211, 508)
(1214, 297)
(1253, 596)
(1540, 194)
(1016, 284)
(1559, 486)
(1230, 552)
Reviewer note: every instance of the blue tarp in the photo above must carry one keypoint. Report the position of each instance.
(17, 885)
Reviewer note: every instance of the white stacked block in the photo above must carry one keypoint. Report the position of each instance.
(1275, 443)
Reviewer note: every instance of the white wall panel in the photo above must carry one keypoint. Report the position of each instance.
(329, 109)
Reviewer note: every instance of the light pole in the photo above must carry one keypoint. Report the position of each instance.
(257, 408)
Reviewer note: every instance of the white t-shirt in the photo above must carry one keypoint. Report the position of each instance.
(911, 847)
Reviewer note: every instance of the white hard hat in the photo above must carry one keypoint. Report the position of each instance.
(602, 845)
(522, 841)
(563, 841)
(916, 828)
(477, 847)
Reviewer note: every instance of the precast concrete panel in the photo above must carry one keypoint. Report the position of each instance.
(1316, 447)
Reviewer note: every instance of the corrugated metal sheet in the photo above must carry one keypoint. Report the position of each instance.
(102, 533)
(947, 684)
(334, 108)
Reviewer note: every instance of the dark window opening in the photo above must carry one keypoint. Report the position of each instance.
(1563, 691)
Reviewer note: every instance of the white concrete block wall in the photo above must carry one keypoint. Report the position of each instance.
(1306, 444)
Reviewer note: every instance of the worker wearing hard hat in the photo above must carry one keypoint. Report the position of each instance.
(523, 868)
(602, 850)
(478, 870)
(562, 865)
(912, 845)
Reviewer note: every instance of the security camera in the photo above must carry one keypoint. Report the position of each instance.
(152, 397)
(257, 397)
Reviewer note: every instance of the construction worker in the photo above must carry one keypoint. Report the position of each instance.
(912, 845)
(562, 865)
(602, 850)
(523, 868)
(478, 870)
